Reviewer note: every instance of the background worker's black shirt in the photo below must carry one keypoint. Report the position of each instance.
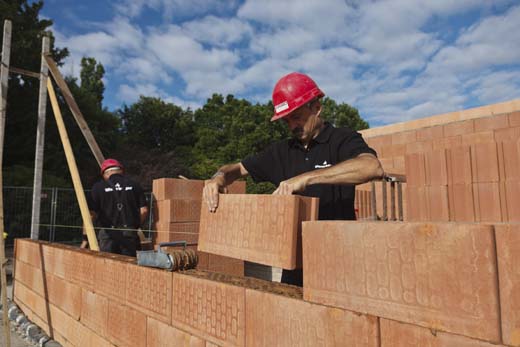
(105, 196)
(286, 159)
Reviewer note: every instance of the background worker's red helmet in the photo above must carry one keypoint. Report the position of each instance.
(108, 163)
(292, 91)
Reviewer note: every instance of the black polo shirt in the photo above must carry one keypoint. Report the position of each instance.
(105, 197)
(288, 158)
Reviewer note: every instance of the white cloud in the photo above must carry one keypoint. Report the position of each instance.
(220, 32)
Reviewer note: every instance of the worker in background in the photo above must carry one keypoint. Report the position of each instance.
(118, 207)
(319, 160)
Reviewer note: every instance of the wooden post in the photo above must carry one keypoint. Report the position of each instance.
(75, 110)
(4, 74)
(40, 143)
(78, 187)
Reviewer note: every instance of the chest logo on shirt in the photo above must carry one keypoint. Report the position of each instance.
(322, 166)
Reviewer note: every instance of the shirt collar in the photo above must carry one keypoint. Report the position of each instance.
(323, 137)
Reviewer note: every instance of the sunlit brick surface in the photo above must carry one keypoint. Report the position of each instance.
(258, 228)
(277, 321)
(126, 326)
(162, 335)
(177, 210)
(150, 291)
(213, 310)
(440, 275)
(110, 278)
(94, 312)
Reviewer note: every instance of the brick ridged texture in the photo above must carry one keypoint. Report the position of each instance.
(163, 335)
(473, 129)
(263, 229)
(395, 334)
(169, 232)
(293, 322)
(126, 326)
(441, 276)
(177, 210)
(508, 249)
(213, 310)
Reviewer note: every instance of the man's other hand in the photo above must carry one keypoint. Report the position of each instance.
(293, 185)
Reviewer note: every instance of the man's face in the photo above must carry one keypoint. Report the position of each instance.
(302, 121)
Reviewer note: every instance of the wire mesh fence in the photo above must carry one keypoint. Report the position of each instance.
(60, 216)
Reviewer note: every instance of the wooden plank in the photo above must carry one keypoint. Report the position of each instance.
(40, 143)
(75, 109)
(23, 72)
(78, 186)
(4, 74)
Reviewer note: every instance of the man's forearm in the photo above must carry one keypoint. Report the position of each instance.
(353, 171)
(228, 174)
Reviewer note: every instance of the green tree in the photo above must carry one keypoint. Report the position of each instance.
(22, 99)
(92, 78)
(342, 115)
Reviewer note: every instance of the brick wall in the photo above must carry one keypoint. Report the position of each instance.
(461, 166)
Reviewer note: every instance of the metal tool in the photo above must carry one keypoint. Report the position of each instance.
(182, 259)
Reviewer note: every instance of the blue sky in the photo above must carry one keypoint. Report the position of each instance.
(394, 60)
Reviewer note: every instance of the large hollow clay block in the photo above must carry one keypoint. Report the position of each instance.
(263, 229)
(278, 321)
(177, 210)
(437, 275)
(508, 249)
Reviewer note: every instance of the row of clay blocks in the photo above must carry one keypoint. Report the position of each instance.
(462, 136)
(365, 284)
(176, 213)
(479, 182)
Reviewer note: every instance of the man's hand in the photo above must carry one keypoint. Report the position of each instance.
(293, 185)
(210, 193)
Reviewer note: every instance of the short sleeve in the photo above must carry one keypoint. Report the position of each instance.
(261, 166)
(352, 146)
(140, 197)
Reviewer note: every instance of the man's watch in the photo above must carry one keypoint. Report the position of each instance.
(218, 174)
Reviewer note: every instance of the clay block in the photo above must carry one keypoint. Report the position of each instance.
(150, 291)
(514, 119)
(404, 137)
(80, 267)
(174, 188)
(508, 134)
(418, 207)
(29, 252)
(436, 168)
(447, 142)
(274, 320)
(484, 160)
(481, 137)
(177, 210)
(410, 272)
(459, 128)
(459, 165)
(30, 276)
(395, 334)
(162, 335)
(36, 303)
(492, 123)
(54, 260)
(438, 203)
(508, 248)
(399, 165)
(188, 232)
(64, 295)
(487, 202)
(126, 326)
(419, 147)
(431, 133)
(212, 310)
(512, 199)
(258, 228)
(460, 197)
(94, 312)
(110, 279)
(509, 160)
(415, 169)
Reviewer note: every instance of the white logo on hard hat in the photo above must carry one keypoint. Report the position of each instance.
(281, 107)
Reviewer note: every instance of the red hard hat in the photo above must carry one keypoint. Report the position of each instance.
(108, 163)
(293, 91)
